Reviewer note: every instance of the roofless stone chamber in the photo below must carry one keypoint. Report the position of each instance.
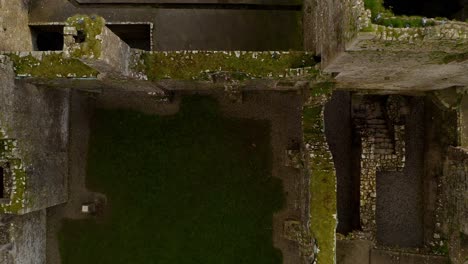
(318, 132)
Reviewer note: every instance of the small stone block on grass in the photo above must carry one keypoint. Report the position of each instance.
(88, 208)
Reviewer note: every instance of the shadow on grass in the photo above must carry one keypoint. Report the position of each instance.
(195, 187)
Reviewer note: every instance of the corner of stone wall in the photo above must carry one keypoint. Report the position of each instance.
(455, 200)
(15, 34)
(34, 143)
(329, 27)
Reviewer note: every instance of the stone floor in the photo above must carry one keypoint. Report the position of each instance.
(362, 252)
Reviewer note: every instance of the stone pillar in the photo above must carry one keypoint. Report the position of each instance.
(88, 39)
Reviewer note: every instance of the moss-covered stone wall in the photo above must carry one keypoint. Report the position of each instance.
(33, 142)
(49, 65)
(87, 42)
(242, 65)
(322, 175)
(183, 65)
(17, 175)
(455, 199)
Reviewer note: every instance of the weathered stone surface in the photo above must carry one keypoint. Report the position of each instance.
(384, 257)
(194, 29)
(394, 67)
(455, 200)
(14, 30)
(463, 116)
(408, 258)
(37, 118)
(98, 47)
(329, 25)
(353, 251)
(383, 149)
(30, 234)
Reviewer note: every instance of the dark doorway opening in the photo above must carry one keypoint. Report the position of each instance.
(137, 36)
(428, 8)
(47, 37)
(346, 151)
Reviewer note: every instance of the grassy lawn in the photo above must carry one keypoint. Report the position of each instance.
(195, 187)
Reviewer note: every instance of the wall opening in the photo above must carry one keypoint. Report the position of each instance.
(429, 8)
(345, 148)
(47, 37)
(137, 36)
(80, 37)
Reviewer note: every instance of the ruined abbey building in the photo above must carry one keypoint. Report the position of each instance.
(333, 132)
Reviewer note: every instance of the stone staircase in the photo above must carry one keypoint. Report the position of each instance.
(383, 149)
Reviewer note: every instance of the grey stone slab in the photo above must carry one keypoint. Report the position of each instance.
(30, 236)
(353, 251)
(407, 258)
(384, 257)
(399, 210)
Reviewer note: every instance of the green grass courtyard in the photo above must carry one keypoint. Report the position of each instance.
(195, 187)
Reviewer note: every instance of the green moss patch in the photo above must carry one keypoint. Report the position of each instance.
(404, 22)
(17, 200)
(90, 27)
(50, 66)
(195, 187)
(376, 7)
(194, 65)
(322, 185)
(385, 17)
(458, 57)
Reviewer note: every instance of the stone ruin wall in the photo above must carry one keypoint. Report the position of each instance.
(383, 149)
(14, 30)
(36, 118)
(443, 30)
(34, 140)
(455, 199)
(23, 238)
(329, 25)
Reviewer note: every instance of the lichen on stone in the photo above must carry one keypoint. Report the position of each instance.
(17, 199)
(49, 65)
(200, 65)
(90, 28)
(457, 57)
(322, 174)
